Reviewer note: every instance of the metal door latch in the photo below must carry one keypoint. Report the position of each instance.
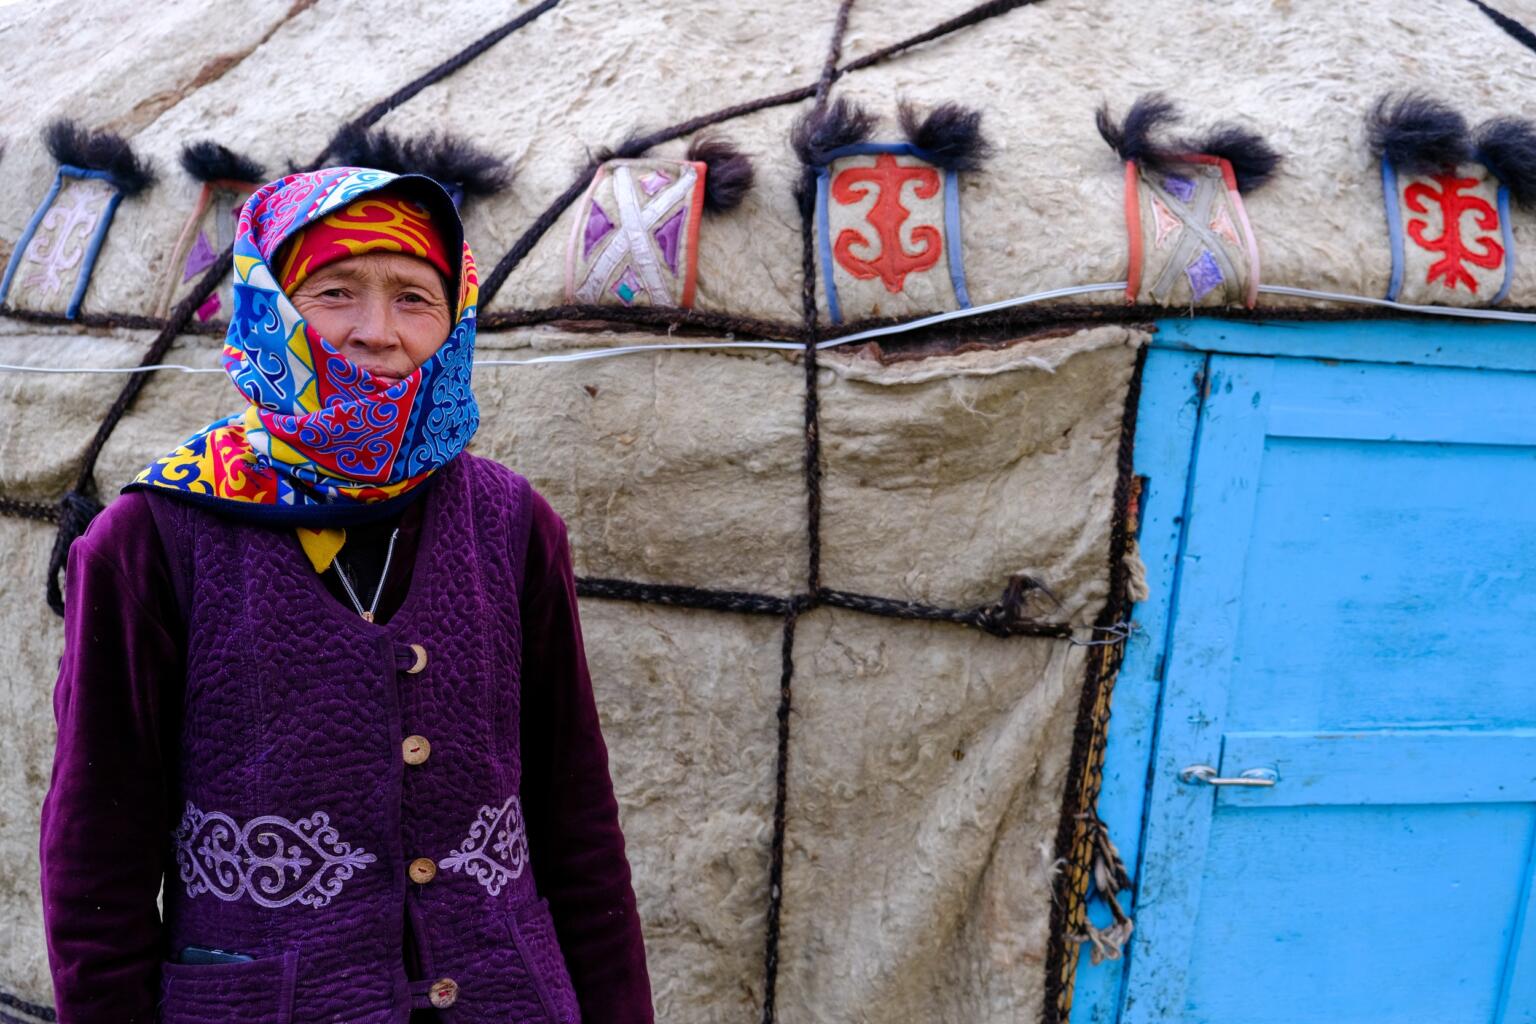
(1204, 774)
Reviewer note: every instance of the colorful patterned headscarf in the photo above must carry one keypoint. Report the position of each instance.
(377, 222)
(321, 442)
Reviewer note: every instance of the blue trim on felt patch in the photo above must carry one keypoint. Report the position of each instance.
(824, 243)
(1394, 228)
(88, 259)
(26, 235)
(952, 229)
(954, 257)
(1508, 231)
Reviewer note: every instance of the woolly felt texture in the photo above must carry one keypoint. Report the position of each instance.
(1451, 237)
(635, 241)
(1190, 241)
(51, 265)
(208, 231)
(888, 232)
(926, 498)
(686, 467)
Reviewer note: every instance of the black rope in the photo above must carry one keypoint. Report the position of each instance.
(46, 1013)
(1517, 31)
(812, 467)
(1103, 663)
(19, 509)
(132, 321)
(408, 91)
(780, 804)
(75, 513)
(530, 237)
(683, 597)
(1004, 617)
(965, 19)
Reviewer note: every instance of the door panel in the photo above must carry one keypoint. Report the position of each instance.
(1353, 609)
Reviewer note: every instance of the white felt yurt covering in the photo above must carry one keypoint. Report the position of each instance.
(927, 762)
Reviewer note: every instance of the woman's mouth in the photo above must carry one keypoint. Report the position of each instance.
(386, 377)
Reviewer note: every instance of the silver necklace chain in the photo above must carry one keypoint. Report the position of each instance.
(346, 584)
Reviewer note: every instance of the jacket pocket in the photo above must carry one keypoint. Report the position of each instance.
(251, 992)
(533, 931)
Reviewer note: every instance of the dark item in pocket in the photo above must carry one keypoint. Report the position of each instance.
(205, 955)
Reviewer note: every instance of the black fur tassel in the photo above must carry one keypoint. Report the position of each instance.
(729, 173)
(951, 133)
(1253, 160)
(820, 132)
(1132, 138)
(1507, 147)
(1418, 134)
(209, 161)
(99, 151)
(455, 163)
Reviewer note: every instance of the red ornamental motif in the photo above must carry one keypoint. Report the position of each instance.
(232, 473)
(893, 263)
(1453, 205)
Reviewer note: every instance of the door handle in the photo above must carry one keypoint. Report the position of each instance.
(1205, 775)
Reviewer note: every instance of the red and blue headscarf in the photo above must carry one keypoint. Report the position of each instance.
(321, 442)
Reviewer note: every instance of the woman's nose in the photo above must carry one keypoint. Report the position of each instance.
(374, 328)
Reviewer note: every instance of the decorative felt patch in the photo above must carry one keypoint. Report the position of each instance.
(635, 240)
(888, 232)
(1451, 238)
(52, 263)
(208, 231)
(1190, 240)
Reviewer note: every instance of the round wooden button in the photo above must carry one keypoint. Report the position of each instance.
(422, 870)
(421, 659)
(415, 749)
(443, 993)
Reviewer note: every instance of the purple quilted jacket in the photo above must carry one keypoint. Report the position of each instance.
(349, 774)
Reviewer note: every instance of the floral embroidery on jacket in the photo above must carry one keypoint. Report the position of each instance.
(270, 859)
(496, 850)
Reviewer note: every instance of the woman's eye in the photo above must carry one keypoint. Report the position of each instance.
(412, 297)
(333, 293)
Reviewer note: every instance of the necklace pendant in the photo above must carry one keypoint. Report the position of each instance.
(367, 616)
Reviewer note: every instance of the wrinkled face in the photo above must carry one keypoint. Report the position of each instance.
(386, 312)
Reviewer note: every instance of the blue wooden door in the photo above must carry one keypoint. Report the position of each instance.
(1351, 617)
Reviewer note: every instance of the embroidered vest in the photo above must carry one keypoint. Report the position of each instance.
(339, 776)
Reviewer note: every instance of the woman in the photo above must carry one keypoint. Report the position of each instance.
(323, 671)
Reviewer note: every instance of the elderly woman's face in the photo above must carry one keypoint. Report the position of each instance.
(384, 311)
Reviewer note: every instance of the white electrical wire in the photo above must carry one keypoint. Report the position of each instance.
(1467, 312)
(177, 367)
(1471, 313)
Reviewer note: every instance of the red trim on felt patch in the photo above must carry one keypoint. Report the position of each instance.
(695, 211)
(1133, 230)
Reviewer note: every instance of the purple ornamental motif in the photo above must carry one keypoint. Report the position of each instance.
(271, 860)
(598, 226)
(669, 236)
(655, 182)
(199, 258)
(496, 850)
(1204, 274)
(1182, 189)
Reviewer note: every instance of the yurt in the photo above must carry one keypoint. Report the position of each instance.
(1052, 485)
